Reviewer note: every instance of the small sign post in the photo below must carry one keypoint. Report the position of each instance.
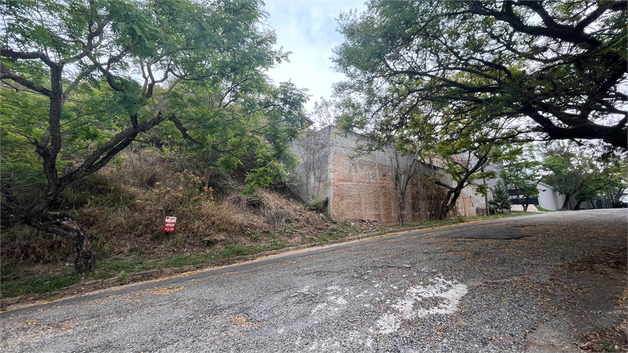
(170, 223)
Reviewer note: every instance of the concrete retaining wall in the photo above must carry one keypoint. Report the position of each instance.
(362, 187)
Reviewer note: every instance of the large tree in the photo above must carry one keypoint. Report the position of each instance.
(404, 165)
(582, 173)
(453, 149)
(521, 174)
(558, 68)
(127, 58)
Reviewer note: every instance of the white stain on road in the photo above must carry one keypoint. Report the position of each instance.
(439, 297)
(388, 323)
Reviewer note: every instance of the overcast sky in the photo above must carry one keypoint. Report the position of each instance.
(308, 30)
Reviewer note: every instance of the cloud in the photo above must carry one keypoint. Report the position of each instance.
(308, 30)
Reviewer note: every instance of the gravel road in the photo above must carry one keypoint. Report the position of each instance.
(533, 283)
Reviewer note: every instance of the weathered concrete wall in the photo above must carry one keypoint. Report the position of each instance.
(362, 188)
(314, 172)
(423, 200)
(470, 204)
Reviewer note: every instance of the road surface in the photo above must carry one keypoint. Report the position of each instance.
(533, 283)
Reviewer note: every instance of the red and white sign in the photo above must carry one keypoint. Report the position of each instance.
(170, 222)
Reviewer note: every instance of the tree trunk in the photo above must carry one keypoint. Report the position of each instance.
(577, 206)
(449, 203)
(566, 203)
(63, 225)
(401, 209)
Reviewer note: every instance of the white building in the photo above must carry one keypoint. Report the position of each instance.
(550, 199)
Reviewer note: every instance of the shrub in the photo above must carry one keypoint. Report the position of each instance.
(317, 205)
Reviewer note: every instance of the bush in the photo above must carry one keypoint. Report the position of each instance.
(501, 198)
(317, 205)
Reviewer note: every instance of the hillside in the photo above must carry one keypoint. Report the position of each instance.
(122, 209)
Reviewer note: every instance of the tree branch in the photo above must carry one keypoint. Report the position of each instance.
(183, 130)
(9, 53)
(105, 152)
(6, 73)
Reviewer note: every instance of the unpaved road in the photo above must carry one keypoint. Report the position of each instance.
(531, 283)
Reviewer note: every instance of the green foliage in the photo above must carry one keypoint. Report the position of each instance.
(487, 60)
(501, 198)
(582, 174)
(252, 135)
(183, 69)
(96, 76)
(23, 116)
(317, 205)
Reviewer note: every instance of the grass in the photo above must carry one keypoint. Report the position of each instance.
(121, 266)
(337, 234)
(543, 209)
(608, 347)
(38, 284)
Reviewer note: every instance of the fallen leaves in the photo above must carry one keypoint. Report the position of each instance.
(606, 339)
(242, 321)
(165, 290)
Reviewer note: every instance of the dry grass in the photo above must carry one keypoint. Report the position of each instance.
(126, 217)
(24, 244)
(123, 209)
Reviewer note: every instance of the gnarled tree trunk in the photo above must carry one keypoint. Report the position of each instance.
(64, 226)
(450, 202)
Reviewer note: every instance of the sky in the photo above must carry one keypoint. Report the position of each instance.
(308, 30)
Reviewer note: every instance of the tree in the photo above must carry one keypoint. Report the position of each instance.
(520, 174)
(404, 165)
(581, 174)
(616, 191)
(325, 112)
(558, 68)
(453, 149)
(128, 58)
(464, 155)
(501, 198)
(314, 154)
(252, 129)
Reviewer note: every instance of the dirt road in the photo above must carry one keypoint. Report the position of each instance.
(535, 283)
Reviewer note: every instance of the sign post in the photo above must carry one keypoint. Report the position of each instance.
(170, 223)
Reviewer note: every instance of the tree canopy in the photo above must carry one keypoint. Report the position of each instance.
(521, 174)
(82, 80)
(583, 174)
(558, 68)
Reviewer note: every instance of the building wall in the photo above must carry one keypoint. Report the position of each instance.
(362, 188)
(314, 173)
(548, 198)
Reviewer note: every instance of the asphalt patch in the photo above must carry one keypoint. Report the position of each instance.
(487, 233)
